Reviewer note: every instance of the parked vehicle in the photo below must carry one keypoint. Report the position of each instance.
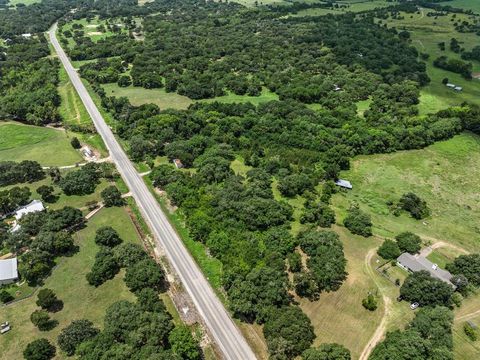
(414, 305)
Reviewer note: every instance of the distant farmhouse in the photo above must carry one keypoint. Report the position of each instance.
(344, 184)
(34, 206)
(8, 271)
(417, 263)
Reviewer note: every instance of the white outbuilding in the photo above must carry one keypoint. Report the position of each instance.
(344, 183)
(34, 206)
(8, 271)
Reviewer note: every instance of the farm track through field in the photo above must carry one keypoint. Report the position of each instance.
(382, 327)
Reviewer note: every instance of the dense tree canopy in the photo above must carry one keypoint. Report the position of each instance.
(288, 332)
(409, 242)
(358, 222)
(421, 287)
(429, 336)
(389, 250)
(327, 352)
(468, 266)
(40, 349)
(74, 334)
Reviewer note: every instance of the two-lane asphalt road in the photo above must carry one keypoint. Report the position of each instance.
(224, 331)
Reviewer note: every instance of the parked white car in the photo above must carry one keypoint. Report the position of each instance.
(414, 305)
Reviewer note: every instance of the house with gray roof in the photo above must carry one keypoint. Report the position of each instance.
(414, 263)
(8, 271)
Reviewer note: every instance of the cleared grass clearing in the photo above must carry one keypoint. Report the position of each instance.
(139, 96)
(265, 96)
(81, 301)
(49, 147)
(71, 109)
(12, 3)
(444, 174)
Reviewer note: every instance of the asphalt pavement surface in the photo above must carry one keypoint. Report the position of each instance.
(225, 333)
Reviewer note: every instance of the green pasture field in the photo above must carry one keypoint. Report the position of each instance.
(139, 96)
(12, 3)
(81, 301)
(473, 5)
(71, 109)
(444, 174)
(438, 258)
(426, 32)
(353, 6)
(50, 147)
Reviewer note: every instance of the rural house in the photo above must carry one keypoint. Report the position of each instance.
(417, 263)
(34, 206)
(8, 271)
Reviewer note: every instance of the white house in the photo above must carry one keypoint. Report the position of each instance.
(8, 271)
(34, 206)
(458, 88)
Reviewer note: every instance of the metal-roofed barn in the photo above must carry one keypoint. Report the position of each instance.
(34, 206)
(344, 183)
(8, 271)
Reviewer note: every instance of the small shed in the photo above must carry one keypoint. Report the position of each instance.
(178, 164)
(458, 88)
(344, 183)
(8, 271)
(34, 206)
(450, 85)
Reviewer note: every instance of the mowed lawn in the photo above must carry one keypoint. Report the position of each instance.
(71, 109)
(81, 301)
(139, 96)
(49, 147)
(445, 174)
